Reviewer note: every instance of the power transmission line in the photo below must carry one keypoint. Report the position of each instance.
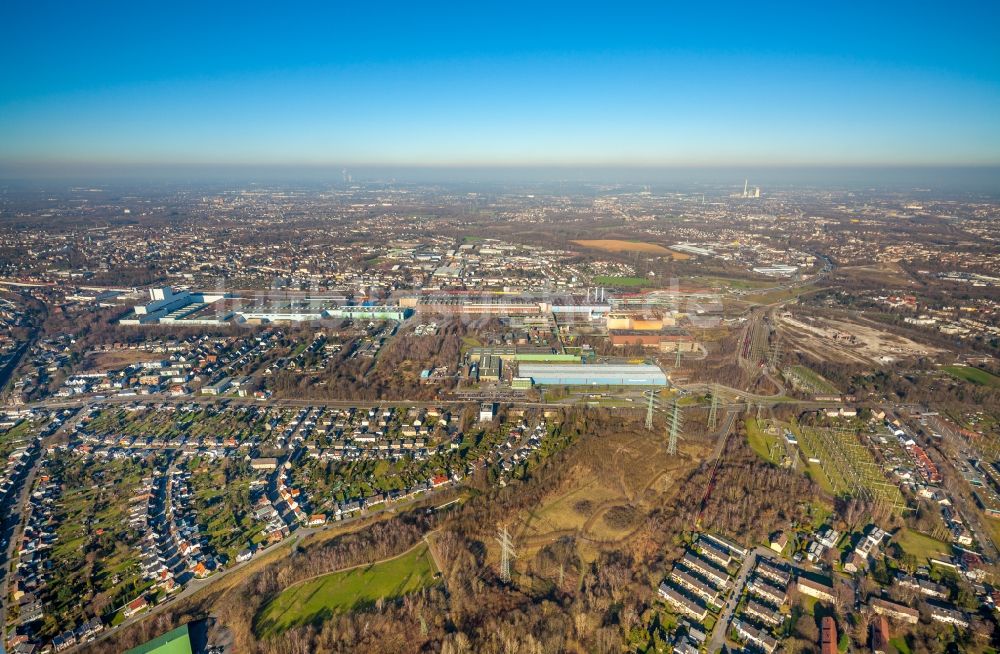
(675, 427)
(507, 553)
(775, 355)
(713, 412)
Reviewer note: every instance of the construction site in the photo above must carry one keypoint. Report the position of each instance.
(842, 341)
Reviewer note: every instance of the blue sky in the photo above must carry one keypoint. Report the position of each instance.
(513, 84)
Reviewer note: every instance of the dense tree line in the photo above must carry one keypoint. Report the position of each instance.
(394, 374)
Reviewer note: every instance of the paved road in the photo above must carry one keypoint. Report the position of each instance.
(14, 517)
(961, 493)
(114, 400)
(721, 628)
(12, 530)
(62, 403)
(92, 401)
(718, 638)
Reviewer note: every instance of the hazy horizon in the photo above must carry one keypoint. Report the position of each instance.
(944, 179)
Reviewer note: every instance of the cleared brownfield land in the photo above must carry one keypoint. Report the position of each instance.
(615, 245)
(612, 484)
(103, 361)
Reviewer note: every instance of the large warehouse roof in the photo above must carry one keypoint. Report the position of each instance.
(173, 642)
(594, 374)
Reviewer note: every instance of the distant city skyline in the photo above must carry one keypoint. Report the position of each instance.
(738, 85)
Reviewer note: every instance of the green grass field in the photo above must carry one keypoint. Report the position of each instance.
(468, 342)
(817, 475)
(921, 545)
(762, 443)
(605, 280)
(13, 437)
(813, 379)
(318, 599)
(808, 604)
(779, 295)
(973, 375)
(832, 482)
(729, 283)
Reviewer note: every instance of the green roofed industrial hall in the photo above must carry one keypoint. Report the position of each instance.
(177, 641)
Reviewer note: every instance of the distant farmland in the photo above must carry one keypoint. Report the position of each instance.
(614, 245)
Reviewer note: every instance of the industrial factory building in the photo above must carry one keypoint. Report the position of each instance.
(189, 308)
(569, 307)
(369, 313)
(667, 340)
(473, 304)
(595, 374)
(165, 306)
(638, 322)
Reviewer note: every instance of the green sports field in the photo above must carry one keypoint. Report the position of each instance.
(319, 598)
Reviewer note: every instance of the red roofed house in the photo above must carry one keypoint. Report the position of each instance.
(135, 606)
(880, 635)
(828, 637)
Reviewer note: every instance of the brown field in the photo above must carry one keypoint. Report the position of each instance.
(776, 295)
(827, 339)
(102, 361)
(615, 245)
(878, 274)
(626, 474)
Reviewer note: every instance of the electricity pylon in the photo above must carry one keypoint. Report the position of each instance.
(675, 427)
(775, 355)
(713, 412)
(507, 553)
(649, 412)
